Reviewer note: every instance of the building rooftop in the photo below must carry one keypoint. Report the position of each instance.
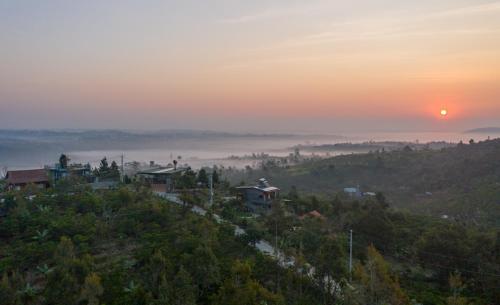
(103, 185)
(162, 171)
(266, 189)
(263, 185)
(350, 190)
(27, 176)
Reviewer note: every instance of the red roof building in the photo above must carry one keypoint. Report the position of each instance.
(20, 178)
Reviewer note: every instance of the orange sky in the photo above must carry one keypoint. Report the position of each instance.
(163, 62)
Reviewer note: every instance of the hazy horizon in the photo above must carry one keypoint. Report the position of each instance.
(23, 149)
(317, 130)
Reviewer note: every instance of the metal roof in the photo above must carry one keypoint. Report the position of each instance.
(27, 176)
(262, 185)
(266, 189)
(162, 171)
(351, 190)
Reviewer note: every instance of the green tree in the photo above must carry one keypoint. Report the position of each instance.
(28, 294)
(215, 176)
(187, 180)
(8, 294)
(456, 287)
(63, 161)
(252, 235)
(241, 289)
(202, 177)
(65, 251)
(44, 270)
(64, 283)
(381, 200)
(293, 194)
(376, 281)
(184, 292)
(187, 198)
(446, 246)
(103, 168)
(92, 289)
(158, 266)
(205, 270)
(331, 268)
(114, 171)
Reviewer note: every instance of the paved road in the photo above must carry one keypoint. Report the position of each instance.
(262, 245)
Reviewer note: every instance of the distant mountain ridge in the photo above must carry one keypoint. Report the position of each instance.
(484, 130)
(28, 148)
(168, 133)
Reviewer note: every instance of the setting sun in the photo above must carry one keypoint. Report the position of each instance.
(444, 112)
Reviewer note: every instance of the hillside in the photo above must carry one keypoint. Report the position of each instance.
(462, 182)
(74, 246)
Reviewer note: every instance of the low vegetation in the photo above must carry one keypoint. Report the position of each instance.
(127, 246)
(461, 182)
(72, 245)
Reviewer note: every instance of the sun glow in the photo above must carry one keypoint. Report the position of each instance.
(444, 112)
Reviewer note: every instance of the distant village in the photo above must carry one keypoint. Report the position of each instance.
(169, 181)
(105, 176)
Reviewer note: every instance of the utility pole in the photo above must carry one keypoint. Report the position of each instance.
(211, 182)
(276, 238)
(276, 253)
(350, 256)
(122, 172)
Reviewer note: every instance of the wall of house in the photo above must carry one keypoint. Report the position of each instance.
(18, 187)
(255, 196)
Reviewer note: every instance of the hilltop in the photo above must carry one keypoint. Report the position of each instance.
(461, 182)
(485, 130)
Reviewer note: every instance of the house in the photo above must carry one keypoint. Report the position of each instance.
(57, 172)
(103, 185)
(18, 179)
(261, 195)
(162, 179)
(353, 192)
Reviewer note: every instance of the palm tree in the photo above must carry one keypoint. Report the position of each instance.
(40, 236)
(107, 214)
(131, 288)
(28, 293)
(43, 208)
(44, 269)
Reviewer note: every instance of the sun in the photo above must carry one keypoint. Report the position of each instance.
(444, 112)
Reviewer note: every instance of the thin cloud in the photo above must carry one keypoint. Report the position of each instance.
(274, 13)
(484, 8)
(267, 61)
(252, 17)
(399, 24)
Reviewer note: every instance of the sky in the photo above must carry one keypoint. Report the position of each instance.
(276, 65)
